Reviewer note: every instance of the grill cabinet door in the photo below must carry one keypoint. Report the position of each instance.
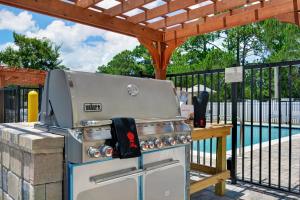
(165, 179)
(165, 184)
(113, 180)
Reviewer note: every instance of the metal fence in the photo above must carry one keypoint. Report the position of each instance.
(15, 103)
(265, 141)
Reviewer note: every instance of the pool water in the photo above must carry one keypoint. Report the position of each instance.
(247, 135)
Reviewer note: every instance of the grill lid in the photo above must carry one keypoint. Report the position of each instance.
(71, 99)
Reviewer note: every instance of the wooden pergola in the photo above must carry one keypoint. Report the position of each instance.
(162, 25)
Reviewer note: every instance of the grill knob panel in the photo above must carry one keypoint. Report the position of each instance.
(183, 139)
(189, 138)
(144, 145)
(158, 143)
(94, 152)
(171, 141)
(106, 151)
(151, 145)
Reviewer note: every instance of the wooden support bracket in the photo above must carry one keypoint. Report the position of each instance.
(206, 182)
(161, 53)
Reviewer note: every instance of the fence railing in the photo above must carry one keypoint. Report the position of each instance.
(266, 127)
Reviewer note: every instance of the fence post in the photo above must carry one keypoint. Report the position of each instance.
(234, 91)
(18, 96)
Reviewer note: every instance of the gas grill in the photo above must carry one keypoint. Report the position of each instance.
(124, 137)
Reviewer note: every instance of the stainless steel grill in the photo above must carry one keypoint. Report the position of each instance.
(124, 137)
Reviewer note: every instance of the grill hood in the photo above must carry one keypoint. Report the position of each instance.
(70, 98)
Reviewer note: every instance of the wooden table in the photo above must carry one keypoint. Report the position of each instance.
(219, 173)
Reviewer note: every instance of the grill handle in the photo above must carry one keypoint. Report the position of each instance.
(115, 178)
(162, 166)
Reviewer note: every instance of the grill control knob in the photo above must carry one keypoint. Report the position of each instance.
(189, 138)
(171, 141)
(151, 145)
(158, 143)
(182, 139)
(106, 151)
(93, 152)
(144, 145)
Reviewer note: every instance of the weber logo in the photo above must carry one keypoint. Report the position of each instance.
(92, 107)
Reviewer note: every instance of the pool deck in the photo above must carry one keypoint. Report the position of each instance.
(295, 170)
(244, 192)
(295, 165)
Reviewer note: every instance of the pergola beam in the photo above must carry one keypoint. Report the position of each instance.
(237, 17)
(126, 6)
(60, 9)
(87, 3)
(293, 18)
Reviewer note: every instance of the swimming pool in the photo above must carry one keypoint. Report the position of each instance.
(247, 139)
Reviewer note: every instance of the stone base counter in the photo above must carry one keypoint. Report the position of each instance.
(31, 163)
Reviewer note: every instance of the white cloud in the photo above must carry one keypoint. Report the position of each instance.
(19, 23)
(76, 52)
(83, 48)
(8, 44)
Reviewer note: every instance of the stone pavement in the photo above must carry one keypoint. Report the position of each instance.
(245, 192)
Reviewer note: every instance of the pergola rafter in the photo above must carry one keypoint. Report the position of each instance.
(126, 6)
(162, 27)
(86, 3)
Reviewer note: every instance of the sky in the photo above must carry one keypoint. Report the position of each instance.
(83, 48)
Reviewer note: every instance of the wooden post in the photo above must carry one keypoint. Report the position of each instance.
(161, 53)
(2, 84)
(221, 163)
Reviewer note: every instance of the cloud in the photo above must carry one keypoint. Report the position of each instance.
(77, 52)
(8, 44)
(83, 48)
(16, 22)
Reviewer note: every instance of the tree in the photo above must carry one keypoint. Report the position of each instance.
(244, 42)
(123, 63)
(281, 41)
(31, 53)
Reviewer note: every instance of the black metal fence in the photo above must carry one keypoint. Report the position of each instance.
(265, 141)
(15, 101)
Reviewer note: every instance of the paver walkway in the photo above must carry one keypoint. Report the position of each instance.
(284, 171)
(244, 192)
